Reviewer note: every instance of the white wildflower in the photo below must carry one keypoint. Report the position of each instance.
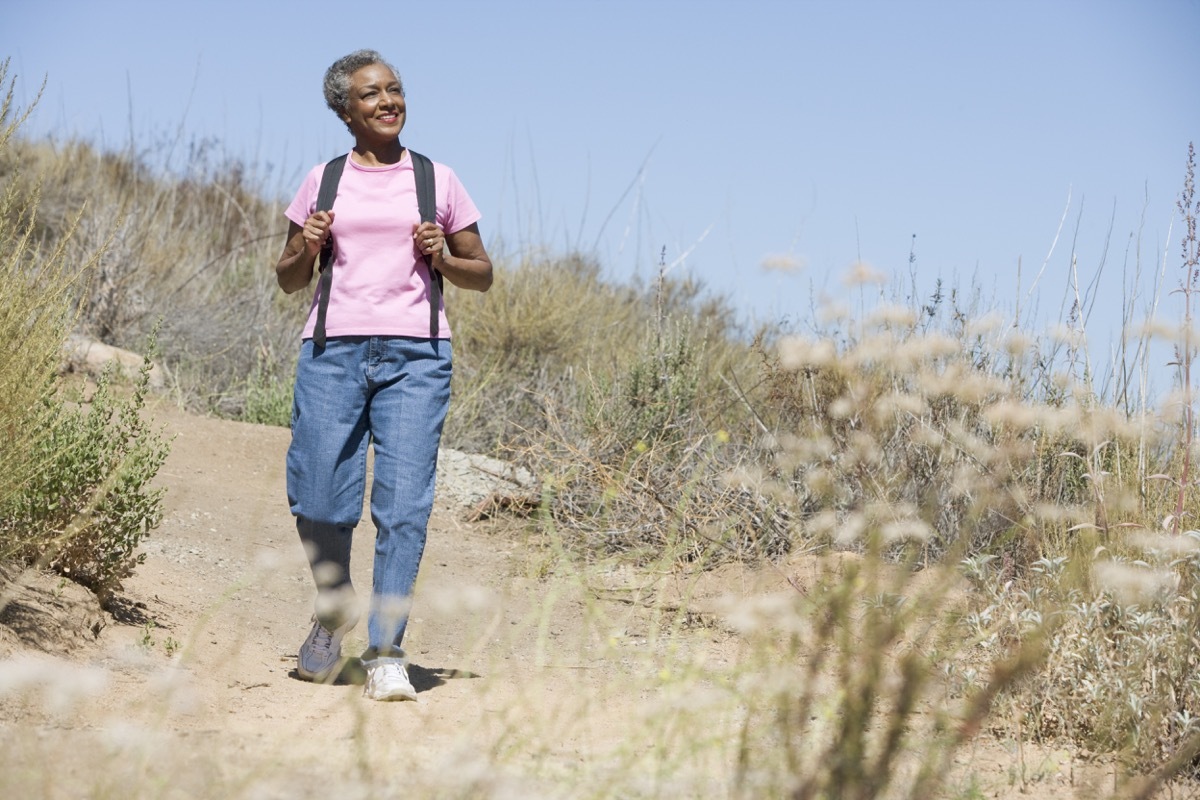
(860, 272)
(892, 316)
(851, 530)
(1135, 584)
(906, 530)
(797, 353)
(981, 326)
(453, 600)
(783, 263)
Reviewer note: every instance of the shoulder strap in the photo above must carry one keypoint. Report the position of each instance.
(325, 197)
(329, 182)
(427, 205)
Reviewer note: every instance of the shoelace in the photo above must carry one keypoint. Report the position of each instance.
(324, 638)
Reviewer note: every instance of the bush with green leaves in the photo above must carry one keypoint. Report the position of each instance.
(268, 397)
(89, 503)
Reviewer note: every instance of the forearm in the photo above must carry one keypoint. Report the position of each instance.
(294, 269)
(474, 274)
(463, 260)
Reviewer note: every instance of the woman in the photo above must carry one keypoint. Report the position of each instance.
(381, 378)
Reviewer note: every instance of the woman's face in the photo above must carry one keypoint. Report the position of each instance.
(376, 109)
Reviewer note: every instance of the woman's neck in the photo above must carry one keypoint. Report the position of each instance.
(372, 154)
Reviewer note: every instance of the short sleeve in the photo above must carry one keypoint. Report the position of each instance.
(456, 210)
(305, 201)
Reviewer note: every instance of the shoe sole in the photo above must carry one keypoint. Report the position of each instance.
(394, 697)
(320, 677)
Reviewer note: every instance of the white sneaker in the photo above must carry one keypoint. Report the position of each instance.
(322, 650)
(388, 681)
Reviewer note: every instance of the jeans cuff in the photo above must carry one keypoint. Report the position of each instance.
(373, 658)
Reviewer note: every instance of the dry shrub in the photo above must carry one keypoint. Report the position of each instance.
(192, 250)
(620, 398)
(641, 469)
(73, 493)
(1080, 631)
(886, 423)
(525, 344)
(548, 327)
(983, 449)
(36, 312)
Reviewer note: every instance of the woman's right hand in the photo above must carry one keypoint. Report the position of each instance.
(294, 269)
(316, 231)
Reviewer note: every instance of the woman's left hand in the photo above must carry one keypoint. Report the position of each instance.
(430, 239)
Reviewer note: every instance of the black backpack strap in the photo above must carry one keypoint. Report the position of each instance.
(427, 205)
(325, 196)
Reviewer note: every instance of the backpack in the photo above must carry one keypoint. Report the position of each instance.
(426, 205)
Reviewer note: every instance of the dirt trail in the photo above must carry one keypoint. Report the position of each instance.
(515, 665)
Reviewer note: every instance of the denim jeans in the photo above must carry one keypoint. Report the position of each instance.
(391, 393)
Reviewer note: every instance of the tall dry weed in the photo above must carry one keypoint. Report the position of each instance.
(39, 284)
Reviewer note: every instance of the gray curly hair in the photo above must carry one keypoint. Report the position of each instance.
(337, 77)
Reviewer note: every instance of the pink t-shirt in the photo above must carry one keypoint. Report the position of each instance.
(380, 281)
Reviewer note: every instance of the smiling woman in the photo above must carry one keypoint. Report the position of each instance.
(379, 79)
(374, 367)
(375, 108)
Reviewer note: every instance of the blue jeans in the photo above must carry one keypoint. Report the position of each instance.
(392, 393)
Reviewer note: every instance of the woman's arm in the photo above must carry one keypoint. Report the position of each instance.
(467, 265)
(295, 267)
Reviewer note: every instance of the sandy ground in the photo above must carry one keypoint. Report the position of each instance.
(533, 680)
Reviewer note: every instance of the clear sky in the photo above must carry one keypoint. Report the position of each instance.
(728, 133)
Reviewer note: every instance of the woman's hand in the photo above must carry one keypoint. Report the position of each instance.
(294, 269)
(316, 231)
(460, 256)
(431, 241)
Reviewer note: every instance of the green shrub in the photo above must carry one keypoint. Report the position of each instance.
(89, 503)
(268, 398)
(652, 401)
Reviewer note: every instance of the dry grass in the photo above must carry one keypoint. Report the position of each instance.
(191, 252)
(37, 310)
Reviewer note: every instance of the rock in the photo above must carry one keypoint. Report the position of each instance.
(92, 357)
(466, 479)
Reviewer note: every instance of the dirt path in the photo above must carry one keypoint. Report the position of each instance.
(528, 683)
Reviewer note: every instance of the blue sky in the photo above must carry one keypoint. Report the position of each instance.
(726, 133)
